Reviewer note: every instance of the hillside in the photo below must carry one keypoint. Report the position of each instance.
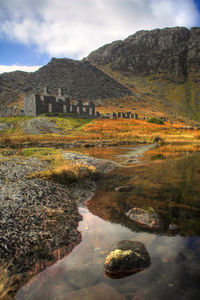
(162, 65)
(79, 80)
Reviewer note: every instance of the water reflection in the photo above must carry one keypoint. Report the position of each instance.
(173, 261)
(172, 189)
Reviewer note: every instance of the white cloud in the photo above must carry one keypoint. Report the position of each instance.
(75, 28)
(4, 68)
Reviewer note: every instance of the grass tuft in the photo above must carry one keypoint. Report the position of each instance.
(7, 283)
(155, 120)
(68, 173)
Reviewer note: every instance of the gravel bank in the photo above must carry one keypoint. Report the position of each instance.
(38, 218)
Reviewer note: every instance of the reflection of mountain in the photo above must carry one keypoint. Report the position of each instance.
(174, 195)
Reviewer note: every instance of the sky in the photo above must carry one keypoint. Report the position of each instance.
(34, 31)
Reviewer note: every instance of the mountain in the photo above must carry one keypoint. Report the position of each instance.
(151, 72)
(80, 80)
(172, 52)
(163, 63)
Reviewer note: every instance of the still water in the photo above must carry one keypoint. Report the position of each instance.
(172, 188)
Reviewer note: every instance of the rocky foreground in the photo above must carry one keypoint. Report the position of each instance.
(39, 218)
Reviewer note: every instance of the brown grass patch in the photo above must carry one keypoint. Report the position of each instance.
(68, 173)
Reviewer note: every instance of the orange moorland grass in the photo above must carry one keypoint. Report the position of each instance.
(172, 151)
(129, 130)
(45, 138)
(138, 130)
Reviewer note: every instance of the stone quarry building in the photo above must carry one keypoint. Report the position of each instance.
(37, 104)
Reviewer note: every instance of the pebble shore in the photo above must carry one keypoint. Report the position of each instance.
(39, 218)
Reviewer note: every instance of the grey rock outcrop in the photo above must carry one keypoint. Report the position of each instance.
(173, 52)
(4, 126)
(39, 126)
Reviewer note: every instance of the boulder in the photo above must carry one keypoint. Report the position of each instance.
(173, 226)
(4, 126)
(127, 257)
(146, 217)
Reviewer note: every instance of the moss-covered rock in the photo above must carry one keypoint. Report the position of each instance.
(127, 257)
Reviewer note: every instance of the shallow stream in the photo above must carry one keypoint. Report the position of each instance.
(172, 188)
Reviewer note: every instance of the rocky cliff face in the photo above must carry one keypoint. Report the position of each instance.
(172, 52)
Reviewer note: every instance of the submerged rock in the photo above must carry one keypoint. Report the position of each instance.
(95, 292)
(146, 217)
(173, 226)
(127, 257)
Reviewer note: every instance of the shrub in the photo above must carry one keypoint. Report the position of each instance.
(157, 156)
(155, 120)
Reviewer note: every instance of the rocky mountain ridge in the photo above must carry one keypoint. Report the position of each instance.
(172, 52)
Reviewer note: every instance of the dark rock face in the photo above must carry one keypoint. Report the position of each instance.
(169, 51)
(78, 80)
(145, 217)
(127, 257)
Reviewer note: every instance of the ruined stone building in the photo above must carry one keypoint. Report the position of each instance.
(37, 104)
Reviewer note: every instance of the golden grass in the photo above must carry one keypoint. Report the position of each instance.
(139, 131)
(117, 130)
(7, 283)
(172, 151)
(67, 173)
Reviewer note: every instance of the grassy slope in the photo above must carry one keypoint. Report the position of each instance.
(157, 96)
(97, 131)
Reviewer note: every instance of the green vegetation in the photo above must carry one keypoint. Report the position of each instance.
(38, 152)
(155, 120)
(70, 123)
(157, 157)
(162, 93)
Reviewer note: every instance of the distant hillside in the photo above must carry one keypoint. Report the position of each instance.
(79, 80)
(163, 64)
